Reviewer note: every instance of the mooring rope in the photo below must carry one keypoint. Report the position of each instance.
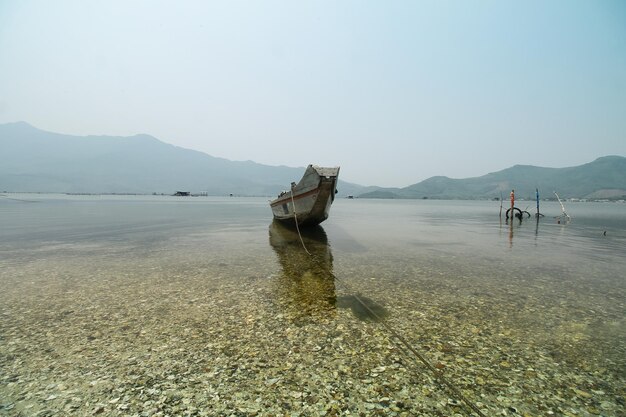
(295, 216)
(436, 372)
(403, 342)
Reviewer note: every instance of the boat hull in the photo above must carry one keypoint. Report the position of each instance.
(308, 202)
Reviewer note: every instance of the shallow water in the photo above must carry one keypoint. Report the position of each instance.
(127, 305)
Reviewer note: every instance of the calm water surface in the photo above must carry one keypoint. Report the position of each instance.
(151, 305)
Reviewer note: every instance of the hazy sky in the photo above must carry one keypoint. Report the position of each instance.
(393, 91)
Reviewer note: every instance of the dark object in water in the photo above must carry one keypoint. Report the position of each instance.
(518, 213)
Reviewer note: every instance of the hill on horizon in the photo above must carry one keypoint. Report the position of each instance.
(34, 160)
(604, 178)
(38, 161)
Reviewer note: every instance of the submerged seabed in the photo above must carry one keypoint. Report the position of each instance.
(155, 307)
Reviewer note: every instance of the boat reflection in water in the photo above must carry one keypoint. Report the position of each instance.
(306, 284)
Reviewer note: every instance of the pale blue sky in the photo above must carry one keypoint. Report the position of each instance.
(393, 91)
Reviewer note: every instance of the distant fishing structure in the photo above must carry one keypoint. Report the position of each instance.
(519, 213)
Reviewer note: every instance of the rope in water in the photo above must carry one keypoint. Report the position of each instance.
(437, 373)
(295, 216)
(403, 342)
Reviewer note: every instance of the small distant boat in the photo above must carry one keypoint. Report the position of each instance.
(309, 201)
(182, 194)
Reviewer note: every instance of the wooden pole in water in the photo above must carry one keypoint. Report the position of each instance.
(512, 204)
(537, 196)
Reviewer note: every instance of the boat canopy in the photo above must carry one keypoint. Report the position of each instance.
(326, 172)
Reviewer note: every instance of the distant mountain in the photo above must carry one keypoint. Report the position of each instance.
(34, 160)
(603, 178)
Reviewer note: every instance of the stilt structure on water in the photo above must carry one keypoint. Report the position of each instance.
(519, 213)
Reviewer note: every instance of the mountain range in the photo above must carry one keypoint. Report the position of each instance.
(604, 178)
(34, 160)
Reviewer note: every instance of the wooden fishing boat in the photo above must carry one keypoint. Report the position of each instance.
(308, 202)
